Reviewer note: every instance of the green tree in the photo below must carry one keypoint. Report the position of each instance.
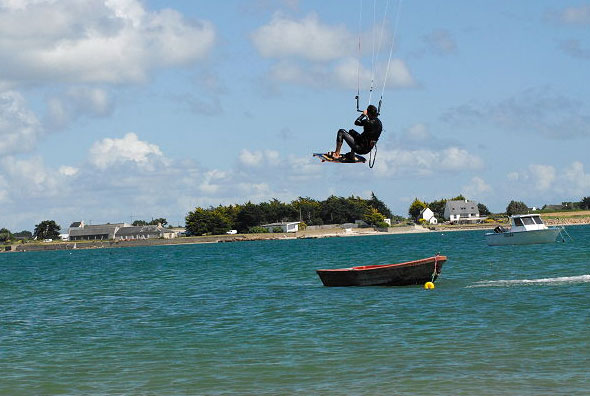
(338, 210)
(374, 218)
(257, 230)
(415, 208)
(483, 210)
(277, 212)
(333, 210)
(47, 229)
(380, 206)
(308, 210)
(159, 220)
(5, 235)
(585, 203)
(516, 207)
(23, 234)
(249, 215)
(207, 221)
(438, 208)
(138, 223)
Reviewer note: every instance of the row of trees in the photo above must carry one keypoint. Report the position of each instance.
(519, 207)
(162, 221)
(249, 217)
(47, 229)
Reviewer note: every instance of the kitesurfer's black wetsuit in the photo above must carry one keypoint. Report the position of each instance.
(362, 143)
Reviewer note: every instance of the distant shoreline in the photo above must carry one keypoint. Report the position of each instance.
(555, 220)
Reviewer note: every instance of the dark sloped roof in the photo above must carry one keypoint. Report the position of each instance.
(139, 230)
(94, 230)
(460, 207)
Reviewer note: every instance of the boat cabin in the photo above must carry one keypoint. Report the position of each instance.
(528, 222)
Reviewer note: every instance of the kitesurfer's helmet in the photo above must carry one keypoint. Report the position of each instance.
(372, 111)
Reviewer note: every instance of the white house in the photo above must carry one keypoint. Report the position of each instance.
(464, 211)
(285, 227)
(428, 215)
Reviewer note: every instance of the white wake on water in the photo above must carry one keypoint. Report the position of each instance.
(543, 281)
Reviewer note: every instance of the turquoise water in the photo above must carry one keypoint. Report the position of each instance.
(252, 318)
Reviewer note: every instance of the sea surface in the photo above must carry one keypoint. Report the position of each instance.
(252, 318)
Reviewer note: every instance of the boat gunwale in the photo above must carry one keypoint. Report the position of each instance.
(437, 258)
(550, 228)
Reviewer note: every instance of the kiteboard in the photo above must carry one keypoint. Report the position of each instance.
(343, 159)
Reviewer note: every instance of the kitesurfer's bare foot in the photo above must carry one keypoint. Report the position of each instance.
(334, 154)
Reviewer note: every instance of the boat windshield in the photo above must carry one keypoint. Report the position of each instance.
(528, 221)
(538, 219)
(518, 222)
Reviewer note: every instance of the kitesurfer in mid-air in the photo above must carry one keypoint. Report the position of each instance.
(360, 143)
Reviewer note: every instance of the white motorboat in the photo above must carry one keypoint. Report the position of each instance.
(524, 229)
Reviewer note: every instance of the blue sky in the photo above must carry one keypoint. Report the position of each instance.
(117, 110)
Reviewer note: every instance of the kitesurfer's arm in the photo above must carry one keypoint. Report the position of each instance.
(360, 121)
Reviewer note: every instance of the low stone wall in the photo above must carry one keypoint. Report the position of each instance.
(35, 247)
(567, 220)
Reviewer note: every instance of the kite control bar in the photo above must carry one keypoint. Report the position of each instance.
(358, 108)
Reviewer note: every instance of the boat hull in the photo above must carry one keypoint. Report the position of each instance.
(548, 235)
(415, 272)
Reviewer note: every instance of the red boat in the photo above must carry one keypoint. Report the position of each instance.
(415, 272)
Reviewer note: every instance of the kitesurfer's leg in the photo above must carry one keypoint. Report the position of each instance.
(349, 137)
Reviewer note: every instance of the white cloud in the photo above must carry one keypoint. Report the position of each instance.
(513, 176)
(426, 162)
(343, 74)
(576, 179)
(258, 158)
(538, 111)
(536, 176)
(212, 183)
(307, 38)
(575, 15)
(347, 74)
(570, 183)
(114, 41)
(76, 102)
(248, 158)
(255, 190)
(543, 175)
(311, 53)
(418, 133)
(454, 158)
(30, 177)
(68, 170)
(477, 187)
(19, 127)
(109, 152)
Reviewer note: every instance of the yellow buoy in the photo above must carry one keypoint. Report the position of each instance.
(429, 285)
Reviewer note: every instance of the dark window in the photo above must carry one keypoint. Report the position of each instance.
(518, 222)
(538, 219)
(528, 220)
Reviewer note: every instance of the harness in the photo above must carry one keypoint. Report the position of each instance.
(373, 157)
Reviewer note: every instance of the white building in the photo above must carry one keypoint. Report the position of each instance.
(464, 211)
(428, 215)
(285, 227)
